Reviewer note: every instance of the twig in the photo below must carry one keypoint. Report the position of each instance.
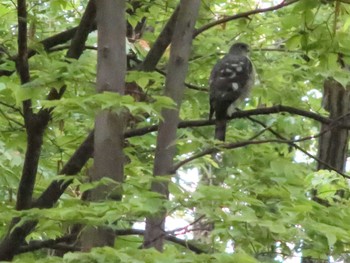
(11, 107)
(9, 119)
(190, 86)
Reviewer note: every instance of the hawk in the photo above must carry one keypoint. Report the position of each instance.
(230, 81)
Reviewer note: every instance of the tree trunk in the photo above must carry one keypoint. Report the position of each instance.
(174, 88)
(109, 126)
(333, 144)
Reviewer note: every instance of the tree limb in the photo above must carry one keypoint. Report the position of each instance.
(244, 114)
(296, 146)
(51, 243)
(26, 185)
(35, 126)
(230, 146)
(284, 3)
(54, 243)
(162, 42)
(54, 191)
(85, 150)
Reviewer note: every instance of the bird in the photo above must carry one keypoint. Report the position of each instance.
(231, 80)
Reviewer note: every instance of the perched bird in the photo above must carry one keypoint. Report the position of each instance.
(230, 81)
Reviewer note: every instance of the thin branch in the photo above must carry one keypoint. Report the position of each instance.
(181, 242)
(162, 42)
(258, 134)
(9, 119)
(163, 73)
(64, 47)
(11, 107)
(278, 50)
(51, 243)
(85, 150)
(185, 244)
(185, 229)
(243, 15)
(296, 146)
(53, 192)
(55, 243)
(244, 114)
(190, 86)
(230, 146)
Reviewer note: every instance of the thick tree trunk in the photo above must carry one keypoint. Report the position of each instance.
(174, 88)
(333, 144)
(109, 126)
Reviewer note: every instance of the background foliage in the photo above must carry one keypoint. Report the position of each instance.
(260, 201)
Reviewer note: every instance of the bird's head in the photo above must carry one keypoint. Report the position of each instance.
(239, 49)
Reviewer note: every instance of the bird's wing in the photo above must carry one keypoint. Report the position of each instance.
(230, 80)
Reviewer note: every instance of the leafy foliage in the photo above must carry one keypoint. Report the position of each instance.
(260, 202)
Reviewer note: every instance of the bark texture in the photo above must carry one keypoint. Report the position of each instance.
(333, 144)
(109, 126)
(174, 88)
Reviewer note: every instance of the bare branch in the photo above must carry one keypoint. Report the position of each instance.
(230, 146)
(242, 15)
(54, 191)
(11, 107)
(87, 24)
(56, 243)
(188, 85)
(296, 146)
(51, 243)
(243, 114)
(166, 236)
(162, 42)
(85, 150)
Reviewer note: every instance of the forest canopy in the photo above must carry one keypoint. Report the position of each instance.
(108, 153)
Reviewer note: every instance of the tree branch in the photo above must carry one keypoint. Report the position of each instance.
(50, 196)
(284, 3)
(244, 114)
(26, 185)
(54, 243)
(296, 146)
(51, 243)
(230, 146)
(164, 38)
(35, 126)
(87, 24)
(162, 42)
(54, 191)
(166, 236)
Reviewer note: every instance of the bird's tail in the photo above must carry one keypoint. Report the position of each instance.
(220, 129)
